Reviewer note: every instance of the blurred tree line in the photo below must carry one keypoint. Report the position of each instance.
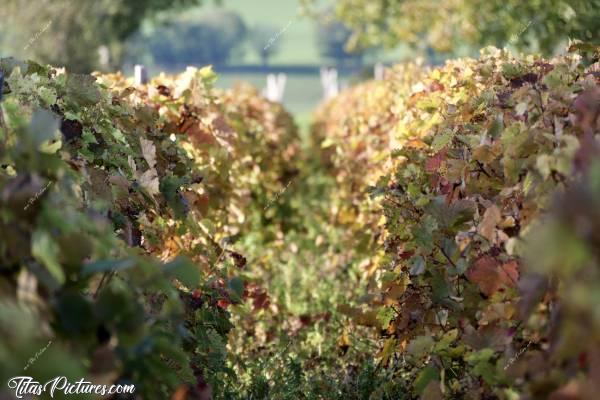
(215, 37)
(220, 36)
(88, 35)
(66, 32)
(85, 35)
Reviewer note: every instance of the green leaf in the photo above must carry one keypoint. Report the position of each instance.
(423, 233)
(118, 135)
(46, 250)
(483, 366)
(441, 141)
(446, 340)
(185, 271)
(417, 265)
(425, 376)
(75, 313)
(44, 126)
(208, 76)
(82, 90)
(497, 126)
(420, 345)
(384, 316)
(451, 216)
(88, 137)
(236, 287)
(47, 95)
(169, 187)
(440, 287)
(107, 265)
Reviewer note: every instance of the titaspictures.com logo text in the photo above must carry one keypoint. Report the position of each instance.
(26, 385)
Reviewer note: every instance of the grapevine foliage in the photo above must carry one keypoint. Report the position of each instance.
(118, 209)
(470, 156)
(172, 235)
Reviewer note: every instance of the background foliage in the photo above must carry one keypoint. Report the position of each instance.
(445, 25)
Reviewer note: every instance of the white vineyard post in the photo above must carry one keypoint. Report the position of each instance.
(281, 81)
(269, 91)
(329, 81)
(378, 71)
(104, 56)
(275, 87)
(140, 74)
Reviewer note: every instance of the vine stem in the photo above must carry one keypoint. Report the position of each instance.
(101, 284)
(216, 245)
(2, 123)
(446, 256)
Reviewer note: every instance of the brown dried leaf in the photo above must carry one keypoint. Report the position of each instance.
(491, 218)
(148, 151)
(149, 181)
(490, 276)
(571, 391)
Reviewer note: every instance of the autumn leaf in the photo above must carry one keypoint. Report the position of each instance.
(416, 144)
(149, 181)
(148, 151)
(490, 275)
(181, 393)
(587, 109)
(387, 351)
(434, 163)
(570, 391)
(197, 132)
(223, 303)
(487, 226)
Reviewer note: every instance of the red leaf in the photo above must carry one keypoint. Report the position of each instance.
(435, 162)
(223, 304)
(436, 86)
(259, 296)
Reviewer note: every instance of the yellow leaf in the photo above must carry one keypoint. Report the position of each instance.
(416, 144)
